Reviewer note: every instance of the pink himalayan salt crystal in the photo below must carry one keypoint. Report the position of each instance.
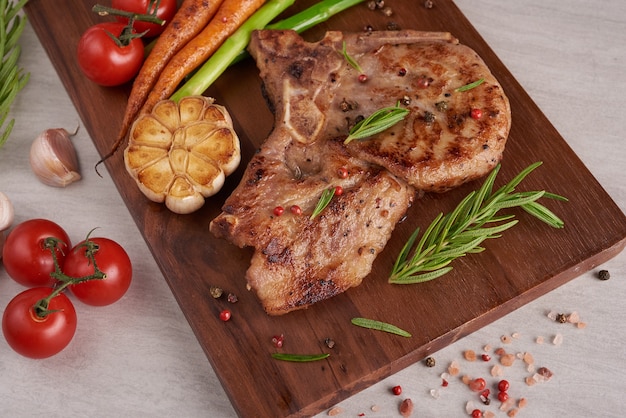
(496, 370)
(552, 315)
(333, 412)
(487, 348)
(544, 373)
(515, 335)
(453, 369)
(508, 404)
(500, 351)
(506, 339)
(513, 412)
(469, 355)
(406, 407)
(435, 393)
(507, 360)
(573, 318)
(375, 408)
(522, 403)
(528, 358)
(581, 325)
(558, 339)
(530, 381)
(489, 414)
(470, 406)
(466, 379)
(540, 340)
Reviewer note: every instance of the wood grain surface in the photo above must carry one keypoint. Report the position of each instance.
(528, 261)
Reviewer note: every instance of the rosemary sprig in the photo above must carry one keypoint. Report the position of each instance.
(350, 60)
(325, 198)
(463, 230)
(299, 358)
(380, 326)
(471, 85)
(377, 122)
(12, 78)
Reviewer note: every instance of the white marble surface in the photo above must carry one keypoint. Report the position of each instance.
(139, 357)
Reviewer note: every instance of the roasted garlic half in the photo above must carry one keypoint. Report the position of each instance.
(181, 153)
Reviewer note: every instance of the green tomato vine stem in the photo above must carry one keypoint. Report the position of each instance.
(51, 243)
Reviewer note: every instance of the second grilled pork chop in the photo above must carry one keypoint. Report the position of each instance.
(317, 95)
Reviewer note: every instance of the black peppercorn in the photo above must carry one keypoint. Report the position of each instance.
(604, 275)
(430, 361)
(562, 318)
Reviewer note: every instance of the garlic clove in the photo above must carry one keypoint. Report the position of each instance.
(53, 158)
(6, 218)
(6, 212)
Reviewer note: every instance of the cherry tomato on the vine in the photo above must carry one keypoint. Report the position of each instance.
(105, 62)
(112, 260)
(25, 255)
(38, 337)
(166, 11)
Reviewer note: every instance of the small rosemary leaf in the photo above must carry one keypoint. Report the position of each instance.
(299, 358)
(489, 231)
(555, 197)
(431, 233)
(349, 59)
(380, 326)
(519, 199)
(471, 85)
(461, 250)
(406, 249)
(511, 185)
(543, 214)
(325, 198)
(420, 278)
(377, 122)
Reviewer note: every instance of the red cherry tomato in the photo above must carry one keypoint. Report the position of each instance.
(103, 61)
(112, 260)
(166, 11)
(25, 256)
(38, 337)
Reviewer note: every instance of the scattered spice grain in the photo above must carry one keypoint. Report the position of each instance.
(333, 412)
(604, 275)
(216, 292)
(430, 362)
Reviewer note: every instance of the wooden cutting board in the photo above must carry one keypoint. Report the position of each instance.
(528, 261)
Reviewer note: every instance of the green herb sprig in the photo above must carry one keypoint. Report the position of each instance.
(463, 230)
(325, 198)
(377, 122)
(12, 77)
(299, 358)
(349, 59)
(470, 85)
(380, 326)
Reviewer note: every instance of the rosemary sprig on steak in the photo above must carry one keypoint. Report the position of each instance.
(325, 198)
(463, 230)
(377, 122)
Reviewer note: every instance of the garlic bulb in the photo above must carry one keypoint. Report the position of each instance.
(6, 217)
(53, 158)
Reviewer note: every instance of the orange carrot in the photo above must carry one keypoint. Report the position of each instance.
(190, 19)
(230, 16)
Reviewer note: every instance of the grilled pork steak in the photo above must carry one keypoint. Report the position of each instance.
(317, 95)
